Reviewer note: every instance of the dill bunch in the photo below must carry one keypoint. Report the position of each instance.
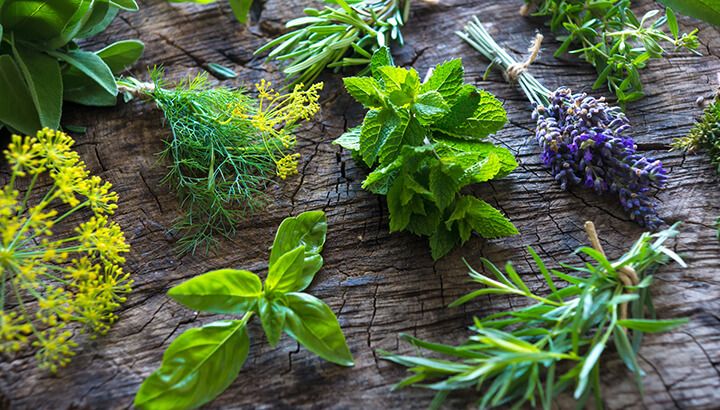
(337, 37)
(705, 134)
(225, 148)
(46, 283)
(531, 354)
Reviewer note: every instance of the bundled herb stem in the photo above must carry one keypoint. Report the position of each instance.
(225, 148)
(337, 36)
(584, 139)
(608, 35)
(532, 354)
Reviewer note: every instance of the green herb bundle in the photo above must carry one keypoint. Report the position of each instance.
(337, 36)
(532, 354)
(41, 63)
(425, 142)
(225, 148)
(201, 363)
(608, 35)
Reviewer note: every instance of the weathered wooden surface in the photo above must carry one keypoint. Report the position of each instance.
(381, 284)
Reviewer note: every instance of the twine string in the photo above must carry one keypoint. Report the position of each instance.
(514, 70)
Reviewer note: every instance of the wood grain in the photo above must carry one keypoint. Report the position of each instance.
(380, 284)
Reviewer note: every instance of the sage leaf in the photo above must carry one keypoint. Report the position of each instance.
(16, 107)
(122, 54)
(197, 366)
(39, 21)
(42, 76)
(313, 324)
(129, 5)
(272, 317)
(101, 15)
(91, 65)
(219, 291)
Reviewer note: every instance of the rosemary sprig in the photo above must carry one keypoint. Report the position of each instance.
(337, 37)
(532, 354)
(608, 35)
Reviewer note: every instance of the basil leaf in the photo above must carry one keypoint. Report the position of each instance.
(286, 271)
(219, 291)
(311, 322)
(91, 65)
(240, 8)
(272, 316)
(706, 10)
(16, 105)
(42, 76)
(121, 54)
(197, 366)
(309, 230)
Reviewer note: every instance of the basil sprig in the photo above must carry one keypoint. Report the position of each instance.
(202, 362)
(42, 65)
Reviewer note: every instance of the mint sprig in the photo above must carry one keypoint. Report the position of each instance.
(426, 141)
(201, 363)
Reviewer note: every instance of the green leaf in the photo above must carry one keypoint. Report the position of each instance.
(474, 115)
(381, 58)
(407, 132)
(706, 10)
(121, 54)
(16, 105)
(240, 9)
(81, 89)
(309, 230)
(311, 322)
(99, 18)
(41, 21)
(366, 90)
(652, 325)
(91, 65)
(442, 242)
(286, 272)
(42, 76)
(401, 85)
(220, 291)
(129, 5)
(446, 79)
(672, 22)
(350, 140)
(197, 366)
(272, 316)
(376, 129)
(472, 156)
(430, 106)
(481, 217)
(444, 183)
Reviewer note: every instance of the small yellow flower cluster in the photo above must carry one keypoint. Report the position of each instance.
(275, 117)
(73, 279)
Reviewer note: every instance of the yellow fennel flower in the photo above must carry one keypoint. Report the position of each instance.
(288, 165)
(57, 287)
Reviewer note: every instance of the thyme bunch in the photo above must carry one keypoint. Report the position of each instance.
(337, 37)
(532, 354)
(225, 148)
(705, 134)
(608, 35)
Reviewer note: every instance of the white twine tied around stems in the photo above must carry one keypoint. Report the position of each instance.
(626, 274)
(515, 69)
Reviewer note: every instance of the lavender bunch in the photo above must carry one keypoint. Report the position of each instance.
(584, 140)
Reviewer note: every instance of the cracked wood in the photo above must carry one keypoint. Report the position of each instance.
(382, 284)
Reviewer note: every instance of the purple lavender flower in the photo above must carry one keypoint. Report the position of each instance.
(583, 143)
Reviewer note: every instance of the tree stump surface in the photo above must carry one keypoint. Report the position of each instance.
(382, 284)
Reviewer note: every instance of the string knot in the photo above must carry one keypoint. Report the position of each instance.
(514, 70)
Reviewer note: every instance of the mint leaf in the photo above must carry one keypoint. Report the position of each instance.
(366, 90)
(442, 242)
(469, 153)
(350, 140)
(475, 214)
(444, 183)
(446, 79)
(381, 58)
(401, 85)
(474, 115)
(430, 106)
(377, 129)
(408, 132)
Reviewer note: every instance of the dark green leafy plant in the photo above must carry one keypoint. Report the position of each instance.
(337, 36)
(532, 354)
(425, 142)
(41, 63)
(201, 363)
(225, 148)
(240, 8)
(707, 10)
(608, 35)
